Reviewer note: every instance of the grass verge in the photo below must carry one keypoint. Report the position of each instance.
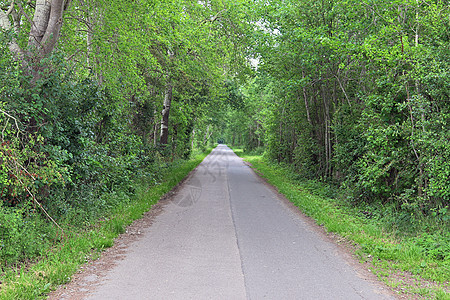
(36, 279)
(402, 262)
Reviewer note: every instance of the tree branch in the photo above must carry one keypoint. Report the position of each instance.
(377, 13)
(25, 14)
(15, 121)
(54, 25)
(214, 18)
(40, 22)
(4, 20)
(32, 3)
(343, 90)
(5, 24)
(11, 7)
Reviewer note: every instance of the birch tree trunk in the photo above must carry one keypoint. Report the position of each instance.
(164, 135)
(205, 137)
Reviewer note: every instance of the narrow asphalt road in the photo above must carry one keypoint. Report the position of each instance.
(227, 235)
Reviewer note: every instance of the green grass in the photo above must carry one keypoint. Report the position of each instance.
(393, 256)
(36, 279)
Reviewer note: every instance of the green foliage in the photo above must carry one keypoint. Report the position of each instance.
(80, 125)
(436, 246)
(305, 155)
(347, 92)
(350, 142)
(23, 235)
(64, 154)
(358, 97)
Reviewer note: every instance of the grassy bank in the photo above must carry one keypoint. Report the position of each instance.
(34, 280)
(416, 264)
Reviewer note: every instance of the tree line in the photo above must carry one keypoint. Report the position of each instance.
(355, 93)
(97, 94)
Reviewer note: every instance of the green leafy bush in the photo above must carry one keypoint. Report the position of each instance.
(23, 234)
(437, 246)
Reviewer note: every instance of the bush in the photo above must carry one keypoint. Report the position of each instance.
(23, 234)
(436, 246)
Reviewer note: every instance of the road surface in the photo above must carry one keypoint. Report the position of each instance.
(227, 235)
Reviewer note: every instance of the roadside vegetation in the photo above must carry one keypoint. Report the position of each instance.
(412, 256)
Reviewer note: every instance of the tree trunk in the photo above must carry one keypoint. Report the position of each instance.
(44, 32)
(164, 136)
(327, 134)
(308, 114)
(206, 136)
(259, 134)
(6, 25)
(155, 128)
(40, 23)
(193, 139)
(52, 23)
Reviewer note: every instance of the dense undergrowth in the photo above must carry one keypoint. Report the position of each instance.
(70, 152)
(410, 252)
